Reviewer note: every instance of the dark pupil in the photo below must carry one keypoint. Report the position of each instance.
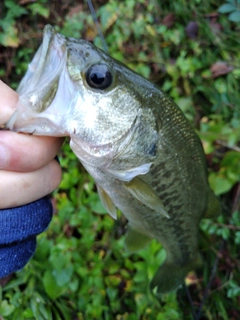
(99, 77)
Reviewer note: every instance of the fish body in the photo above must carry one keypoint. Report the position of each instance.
(132, 138)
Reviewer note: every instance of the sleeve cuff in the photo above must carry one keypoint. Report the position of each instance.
(17, 224)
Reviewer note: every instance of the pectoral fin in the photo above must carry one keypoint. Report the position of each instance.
(145, 194)
(107, 202)
(135, 240)
(128, 175)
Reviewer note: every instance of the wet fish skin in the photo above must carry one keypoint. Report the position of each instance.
(132, 138)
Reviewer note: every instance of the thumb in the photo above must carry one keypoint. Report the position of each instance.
(8, 102)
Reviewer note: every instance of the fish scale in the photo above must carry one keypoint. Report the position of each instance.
(132, 138)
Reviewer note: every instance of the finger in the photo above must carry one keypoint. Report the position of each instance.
(28, 186)
(26, 153)
(8, 102)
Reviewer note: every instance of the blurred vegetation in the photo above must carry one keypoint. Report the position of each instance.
(81, 269)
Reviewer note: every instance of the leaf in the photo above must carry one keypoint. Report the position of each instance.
(226, 8)
(237, 237)
(63, 276)
(5, 308)
(108, 16)
(192, 30)
(37, 8)
(143, 69)
(231, 158)
(168, 21)
(15, 10)
(9, 38)
(233, 292)
(28, 313)
(219, 185)
(51, 286)
(220, 68)
(235, 16)
(224, 232)
(151, 30)
(96, 204)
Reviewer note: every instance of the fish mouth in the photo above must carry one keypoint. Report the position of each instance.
(48, 35)
(36, 68)
(39, 86)
(43, 126)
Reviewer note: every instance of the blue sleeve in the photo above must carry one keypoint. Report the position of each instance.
(18, 230)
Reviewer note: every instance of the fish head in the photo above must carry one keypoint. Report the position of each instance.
(74, 89)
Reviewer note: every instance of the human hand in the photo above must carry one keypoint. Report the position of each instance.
(28, 172)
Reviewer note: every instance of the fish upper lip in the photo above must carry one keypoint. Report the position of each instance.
(50, 39)
(48, 35)
(53, 48)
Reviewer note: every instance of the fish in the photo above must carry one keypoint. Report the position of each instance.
(144, 155)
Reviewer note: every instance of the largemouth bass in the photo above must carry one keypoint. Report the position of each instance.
(132, 138)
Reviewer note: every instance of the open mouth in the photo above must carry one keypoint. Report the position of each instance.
(39, 85)
(45, 63)
(39, 60)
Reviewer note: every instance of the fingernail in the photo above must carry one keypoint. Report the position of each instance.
(3, 156)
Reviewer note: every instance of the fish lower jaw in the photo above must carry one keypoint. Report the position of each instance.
(36, 126)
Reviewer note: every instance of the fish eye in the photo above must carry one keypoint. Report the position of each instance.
(98, 76)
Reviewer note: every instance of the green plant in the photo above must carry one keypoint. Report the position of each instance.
(9, 32)
(233, 8)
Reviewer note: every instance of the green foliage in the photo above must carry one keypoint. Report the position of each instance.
(224, 227)
(13, 11)
(228, 174)
(81, 269)
(232, 7)
(8, 35)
